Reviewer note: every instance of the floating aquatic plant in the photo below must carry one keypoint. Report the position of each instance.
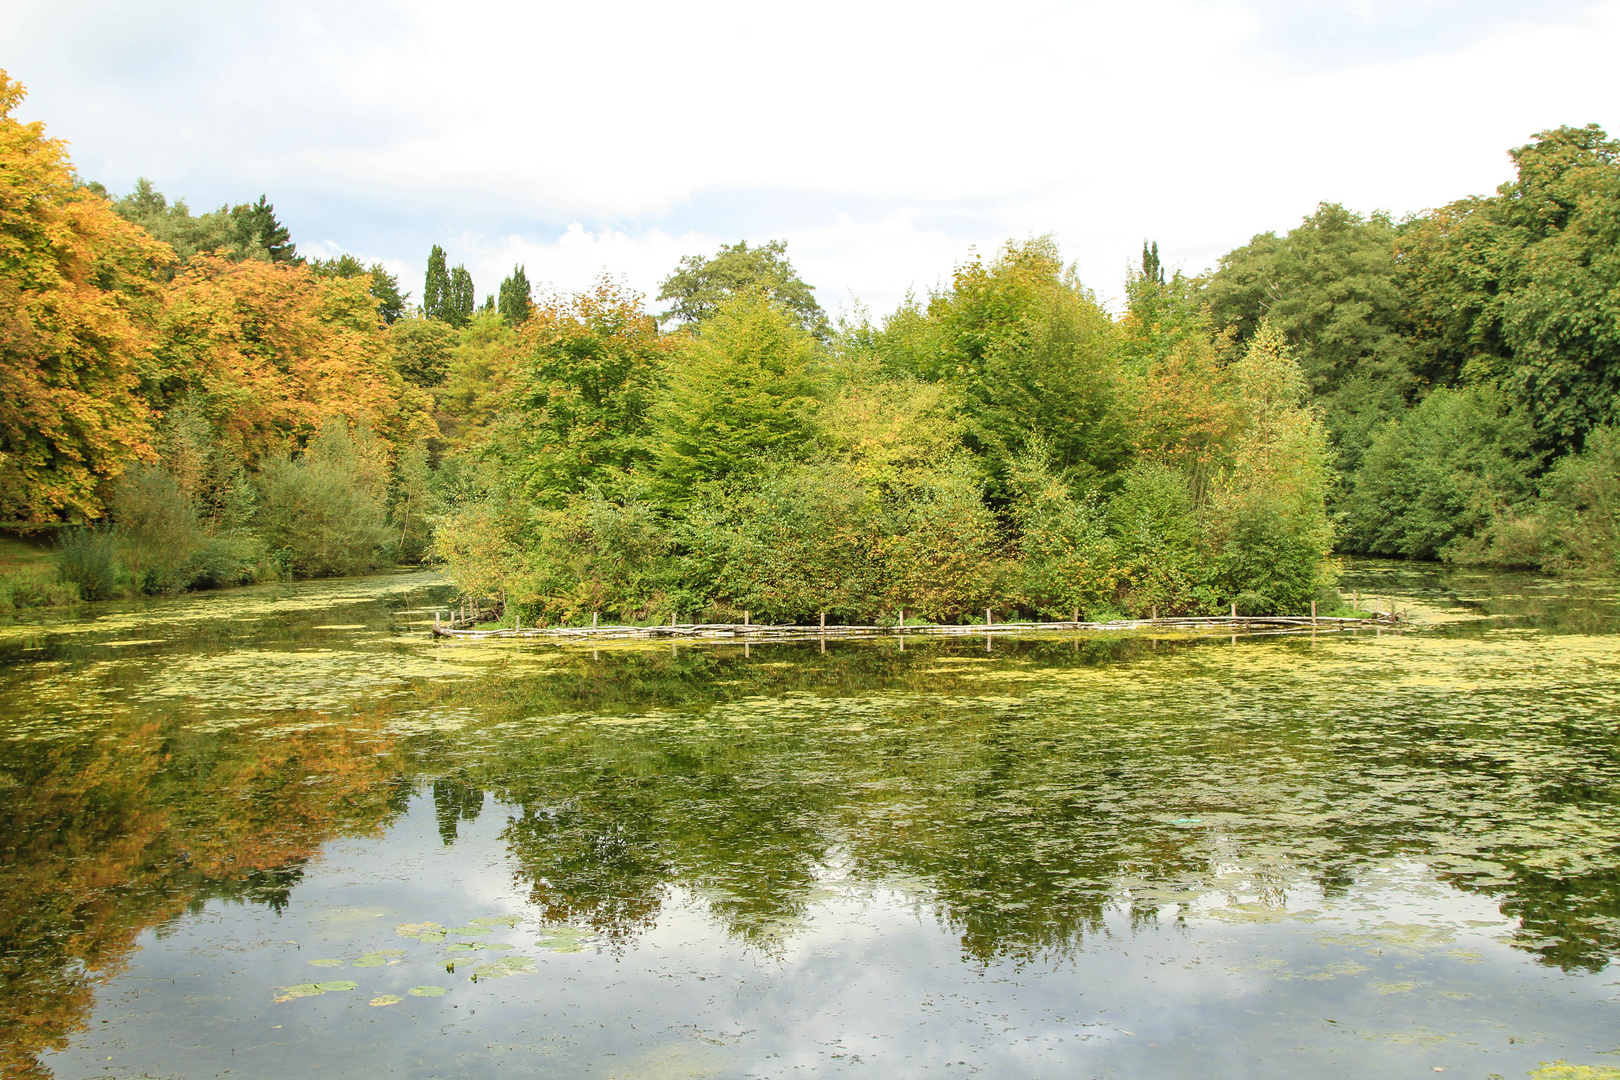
(315, 989)
(506, 965)
(378, 958)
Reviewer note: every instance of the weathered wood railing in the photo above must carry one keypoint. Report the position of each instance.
(751, 631)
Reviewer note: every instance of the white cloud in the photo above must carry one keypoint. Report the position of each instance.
(883, 140)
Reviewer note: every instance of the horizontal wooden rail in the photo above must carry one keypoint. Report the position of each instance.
(750, 631)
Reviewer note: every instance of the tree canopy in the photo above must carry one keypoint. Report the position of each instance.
(700, 286)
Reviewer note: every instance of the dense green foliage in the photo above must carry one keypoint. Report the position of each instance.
(1463, 357)
(985, 450)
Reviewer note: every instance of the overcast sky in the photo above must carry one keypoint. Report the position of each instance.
(883, 141)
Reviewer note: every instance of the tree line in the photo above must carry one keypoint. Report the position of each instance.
(208, 407)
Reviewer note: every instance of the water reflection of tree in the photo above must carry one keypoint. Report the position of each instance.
(749, 818)
(455, 801)
(124, 829)
(1024, 828)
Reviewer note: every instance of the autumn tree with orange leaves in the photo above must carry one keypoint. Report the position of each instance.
(78, 300)
(268, 352)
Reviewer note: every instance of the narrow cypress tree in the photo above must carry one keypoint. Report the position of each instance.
(462, 299)
(436, 290)
(1152, 268)
(515, 298)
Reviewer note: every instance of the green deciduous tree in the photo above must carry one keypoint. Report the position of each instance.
(589, 368)
(1032, 354)
(323, 512)
(1271, 535)
(745, 390)
(700, 287)
(1523, 288)
(422, 349)
(1441, 472)
(1331, 288)
(173, 224)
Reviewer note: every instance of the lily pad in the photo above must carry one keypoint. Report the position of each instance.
(497, 945)
(327, 962)
(469, 931)
(378, 958)
(301, 990)
(422, 931)
(563, 939)
(427, 991)
(465, 946)
(337, 984)
(506, 965)
(385, 999)
(497, 920)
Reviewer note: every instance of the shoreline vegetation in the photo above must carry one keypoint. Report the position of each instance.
(191, 404)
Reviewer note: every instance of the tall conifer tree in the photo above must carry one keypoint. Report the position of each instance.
(1152, 268)
(436, 290)
(515, 298)
(462, 299)
(257, 226)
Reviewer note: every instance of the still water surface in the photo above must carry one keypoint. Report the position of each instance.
(279, 832)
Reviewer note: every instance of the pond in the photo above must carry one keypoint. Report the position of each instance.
(279, 831)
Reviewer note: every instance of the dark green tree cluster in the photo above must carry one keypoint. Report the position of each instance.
(516, 298)
(244, 231)
(1464, 358)
(447, 295)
